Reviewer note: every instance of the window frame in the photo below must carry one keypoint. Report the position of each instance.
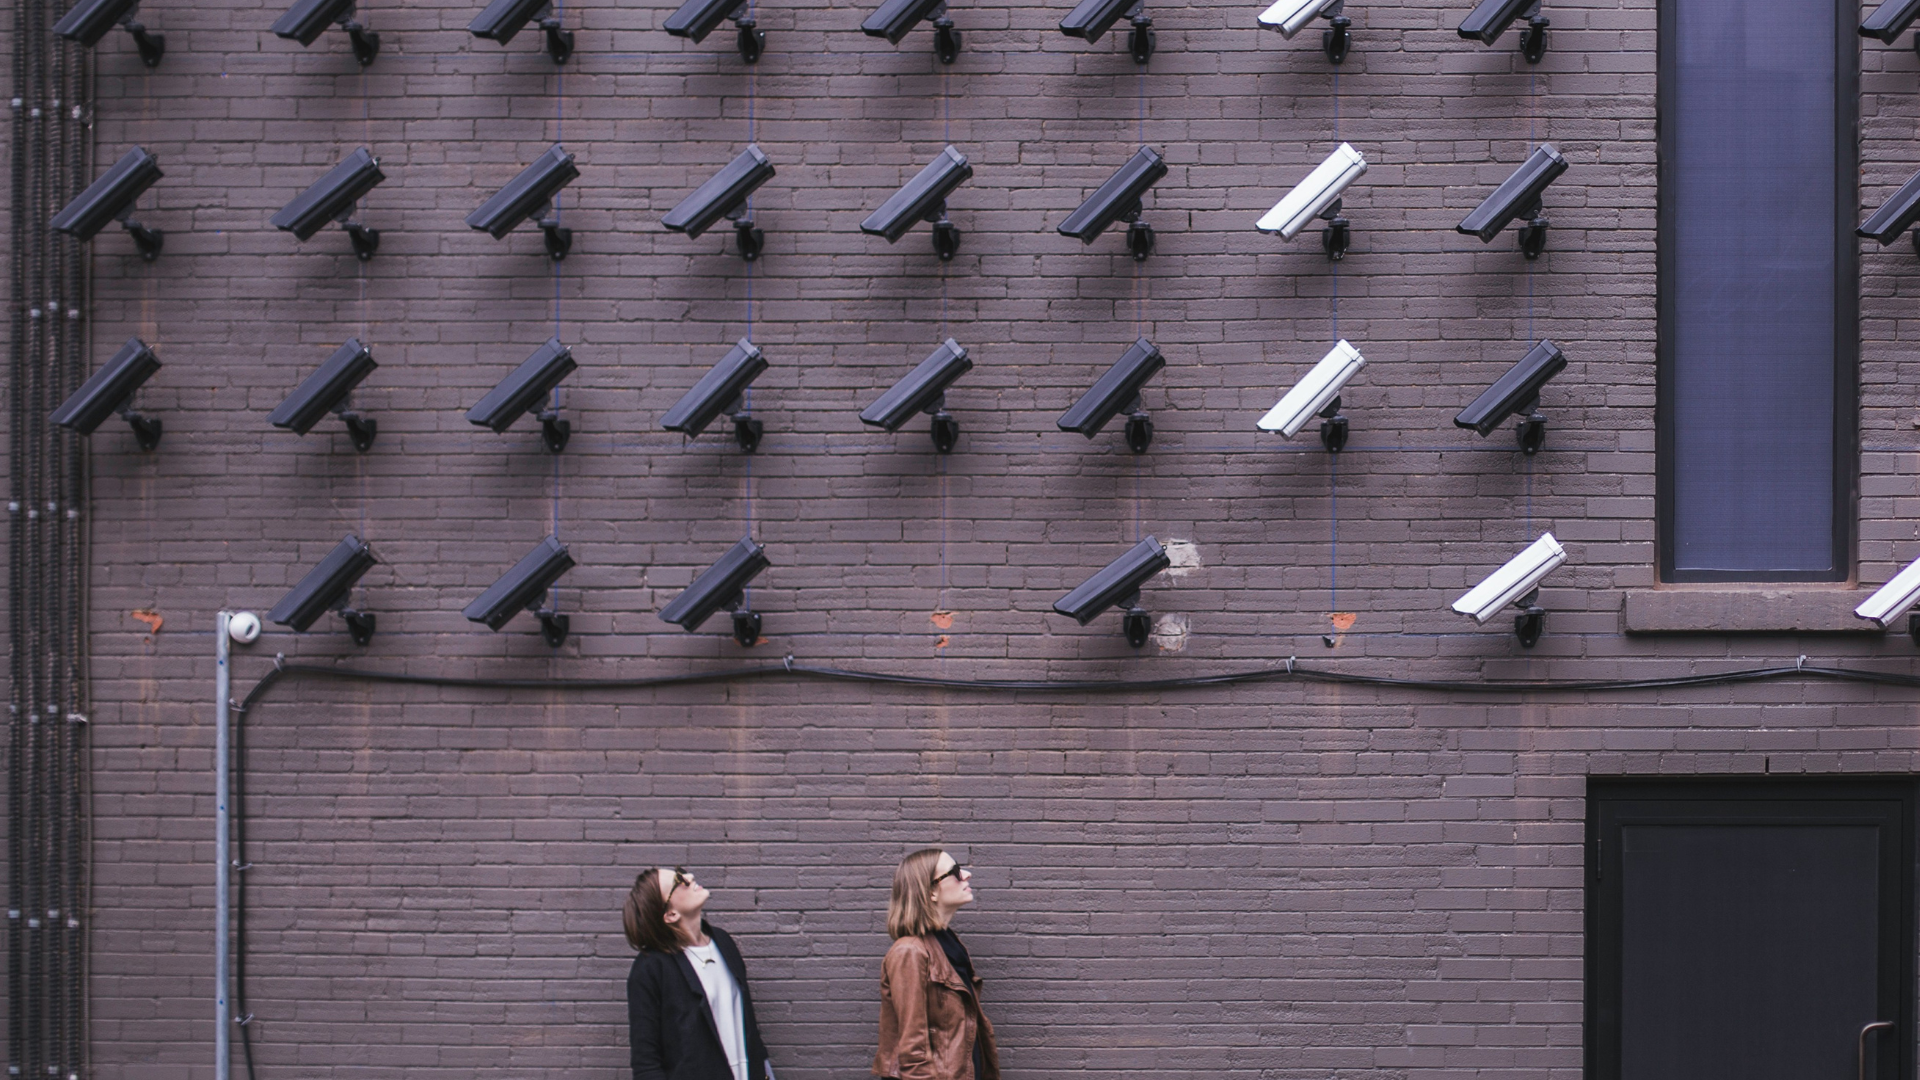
(1846, 345)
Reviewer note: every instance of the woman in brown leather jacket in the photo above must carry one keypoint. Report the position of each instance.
(931, 1025)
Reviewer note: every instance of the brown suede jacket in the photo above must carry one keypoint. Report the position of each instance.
(929, 1017)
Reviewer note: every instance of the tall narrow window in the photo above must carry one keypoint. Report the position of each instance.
(1757, 299)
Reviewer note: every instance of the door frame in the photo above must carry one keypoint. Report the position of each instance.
(1605, 798)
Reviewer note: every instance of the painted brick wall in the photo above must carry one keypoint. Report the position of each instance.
(1277, 880)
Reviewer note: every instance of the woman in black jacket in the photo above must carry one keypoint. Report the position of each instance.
(689, 1014)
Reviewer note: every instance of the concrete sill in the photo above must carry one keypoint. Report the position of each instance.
(1752, 609)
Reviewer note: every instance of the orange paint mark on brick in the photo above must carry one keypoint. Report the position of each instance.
(1343, 620)
(942, 643)
(150, 617)
(943, 620)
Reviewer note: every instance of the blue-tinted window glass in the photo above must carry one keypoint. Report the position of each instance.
(1749, 189)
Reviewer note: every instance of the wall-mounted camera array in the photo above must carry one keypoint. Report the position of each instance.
(723, 389)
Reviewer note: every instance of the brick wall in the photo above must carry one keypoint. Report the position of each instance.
(1276, 880)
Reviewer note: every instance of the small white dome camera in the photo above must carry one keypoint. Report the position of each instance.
(243, 627)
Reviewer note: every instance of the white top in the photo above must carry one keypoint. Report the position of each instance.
(724, 995)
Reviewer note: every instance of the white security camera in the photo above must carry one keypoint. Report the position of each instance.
(1318, 196)
(1317, 394)
(1514, 583)
(1288, 16)
(243, 627)
(1892, 600)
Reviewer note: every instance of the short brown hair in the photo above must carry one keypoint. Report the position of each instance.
(910, 912)
(645, 916)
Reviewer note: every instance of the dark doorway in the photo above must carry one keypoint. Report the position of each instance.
(1750, 929)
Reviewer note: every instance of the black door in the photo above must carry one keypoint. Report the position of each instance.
(1753, 929)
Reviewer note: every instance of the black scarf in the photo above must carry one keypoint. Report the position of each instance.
(962, 963)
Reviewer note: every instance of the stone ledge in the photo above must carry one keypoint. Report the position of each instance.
(1749, 610)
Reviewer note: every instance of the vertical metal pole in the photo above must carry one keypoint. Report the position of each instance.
(222, 844)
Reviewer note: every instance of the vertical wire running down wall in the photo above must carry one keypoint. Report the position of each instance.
(46, 774)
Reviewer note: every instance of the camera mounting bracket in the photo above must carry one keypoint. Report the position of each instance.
(1140, 40)
(1533, 235)
(1337, 39)
(1135, 622)
(149, 241)
(1333, 427)
(750, 40)
(750, 239)
(1338, 235)
(360, 624)
(146, 429)
(1139, 427)
(554, 432)
(1532, 620)
(559, 43)
(366, 43)
(360, 429)
(946, 40)
(152, 46)
(558, 240)
(1533, 40)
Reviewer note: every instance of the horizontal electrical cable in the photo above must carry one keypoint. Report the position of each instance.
(1290, 671)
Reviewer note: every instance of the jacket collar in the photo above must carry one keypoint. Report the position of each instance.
(939, 968)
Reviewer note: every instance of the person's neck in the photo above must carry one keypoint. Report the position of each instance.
(943, 920)
(695, 934)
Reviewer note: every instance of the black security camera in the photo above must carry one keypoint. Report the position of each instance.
(111, 198)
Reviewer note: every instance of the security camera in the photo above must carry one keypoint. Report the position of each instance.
(1893, 599)
(522, 588)
(111, 198)
(86, 22)
(924, 390)
(1318, 395)
(502, 19)
(326, 587)
(326, 391)
(529, 194)
(1289, 16)
(725, 196)
(722, 585)
(1516, 583)
(524, 390)
(1896, 215)
(1119, 583)
(1890, 20)
(697, 18)
(1518, 196)
(896, 18)
(1119, 200)
(332, 198)
(1491, 18)
(109, 391)
(306, 20)
(1318, 196)
(924, 198)
(722, 389)
(1090, 19)
(1517, 391)
(1115, 391)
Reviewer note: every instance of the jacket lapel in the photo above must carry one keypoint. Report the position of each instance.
(940, 969)
(700, 992)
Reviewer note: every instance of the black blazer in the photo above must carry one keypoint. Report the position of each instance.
(670, 1026)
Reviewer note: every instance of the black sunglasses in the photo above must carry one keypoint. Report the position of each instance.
(680, 877)
(953, 872)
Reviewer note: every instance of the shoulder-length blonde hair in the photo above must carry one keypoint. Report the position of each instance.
(910, 911)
